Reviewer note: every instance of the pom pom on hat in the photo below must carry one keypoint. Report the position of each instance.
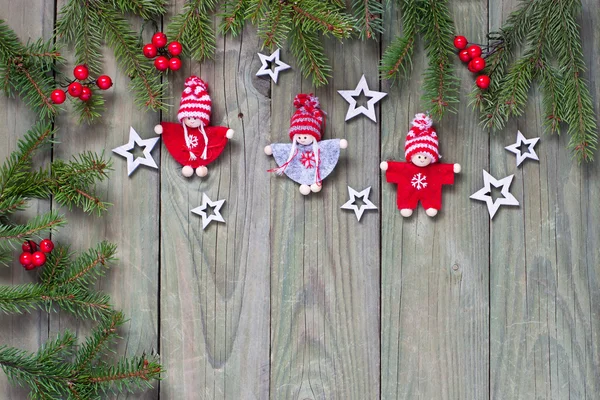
(422, 138)
(195, 101)
(308, 119)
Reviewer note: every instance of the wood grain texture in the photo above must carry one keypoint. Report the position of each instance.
(325, 274)
(215, 282)
(30, 19)
(434, 329)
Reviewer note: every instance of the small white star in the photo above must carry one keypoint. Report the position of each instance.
(215, 205)
(515, 148)
(362, 87)
(484, 194)
(125, 151)
(265, 68)
(364, 195)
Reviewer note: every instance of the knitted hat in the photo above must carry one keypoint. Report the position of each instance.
(308, 119)
(195, 101)
(421, 138)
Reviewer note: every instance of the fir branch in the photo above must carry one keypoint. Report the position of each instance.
(318, 16)
(96, 344)
(88, 267)
(233, 16)
(368, 17)
(397, 57)
(193, 28)
(311, 55)
(440, 84)
(16, 234)
(256, 10)
(275, 26)
(147, 9)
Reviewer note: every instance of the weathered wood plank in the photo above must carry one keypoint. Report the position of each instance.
(325, 275)
(132, 282)
(544, 259)
(215, 283)
(435, 271)
(30, 19)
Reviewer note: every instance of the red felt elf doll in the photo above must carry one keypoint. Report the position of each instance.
(421, 177)
(192, 142)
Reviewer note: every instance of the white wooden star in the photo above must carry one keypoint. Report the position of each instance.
(485, 193)
(265, 68)
(215, 205)
(516, 148)
(125, 151)
(364, 195)
(362, 87)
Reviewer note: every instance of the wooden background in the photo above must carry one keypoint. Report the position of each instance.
(292, 298)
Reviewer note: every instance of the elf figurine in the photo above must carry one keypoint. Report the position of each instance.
(192, 142)
(421, 177)
(308, 159)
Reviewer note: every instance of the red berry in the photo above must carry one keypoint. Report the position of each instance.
(477, 64)
(46, 246)
(474, 51)
(159, 39)
(460, 42)
(86, 94)
(81, 72)
(104, 82)
(464, 55)
(75, 89)
(174, 48)
(39, 259)
(174, 64)
(58, 96)
(161, 63)
(25, 258)
(29, 267)
(150, 50)
(483, 81)
(29, 246)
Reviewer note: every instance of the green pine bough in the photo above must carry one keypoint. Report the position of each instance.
(62, 368)
(432, 19)
(548, 32)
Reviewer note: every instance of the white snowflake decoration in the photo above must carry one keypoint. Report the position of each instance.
(193, 141)
(419, 181)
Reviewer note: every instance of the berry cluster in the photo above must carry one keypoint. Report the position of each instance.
(31, 257)
(167, 58)
(472, 55)
(81, 89)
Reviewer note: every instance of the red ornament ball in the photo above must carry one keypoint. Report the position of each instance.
(39, 258)
(483, 81)
(474, 51)
(464, 55)
(175, 48)
(104, 82)
(29, 267)
(29, 246)
(174, 64)
(46, 246)
(159, 39)
(58, 96)
(75, 89)
(26, 258)
(477, 64)
(150, 50)
(86, 94)
(161, 63)
(460, 42)
(81, 72)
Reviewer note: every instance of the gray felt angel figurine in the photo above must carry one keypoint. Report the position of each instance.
(308, 159)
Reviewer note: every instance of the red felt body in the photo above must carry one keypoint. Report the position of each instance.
(174, 139)
(409, 192)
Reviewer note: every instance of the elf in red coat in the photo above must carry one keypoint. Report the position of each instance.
(421, 177)
(192, 142)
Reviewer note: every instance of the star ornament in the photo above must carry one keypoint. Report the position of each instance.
(516, 148)
(364, 195)
(215, 216)
(125, 151)
(374, 97)
(485, 193)
(265, 68)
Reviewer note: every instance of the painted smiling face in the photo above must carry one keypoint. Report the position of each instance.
(303, 139)
(192, 122)
(421, 159)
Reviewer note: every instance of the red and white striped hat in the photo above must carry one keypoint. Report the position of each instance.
(421, 138)
(195, 101)
(308, 118)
